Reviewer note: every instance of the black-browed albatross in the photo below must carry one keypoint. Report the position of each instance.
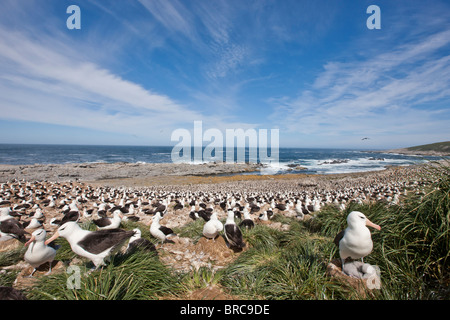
(38, 252)
(355, 241)
(232, 232)
(94, 245)
(158, 231)
(10, 228)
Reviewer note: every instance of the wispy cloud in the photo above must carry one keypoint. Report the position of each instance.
(172, 14)
(42, 84)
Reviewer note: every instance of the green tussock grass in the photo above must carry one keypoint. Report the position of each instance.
(138, 276)
(411, 250)
(12, 256)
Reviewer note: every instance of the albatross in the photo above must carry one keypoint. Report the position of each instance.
(10, 228)
(38, 252)
(136, 241)
(247, 222)
(212, 227)
(232, 232)
(106, 223)
(158, 231)
(355, 241)
(94, 245)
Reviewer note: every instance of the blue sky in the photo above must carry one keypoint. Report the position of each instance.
(137, 70)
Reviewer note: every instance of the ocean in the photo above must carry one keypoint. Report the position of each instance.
(291, 160)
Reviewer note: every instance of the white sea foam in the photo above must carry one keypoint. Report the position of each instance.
(274, 168)
(329, 166)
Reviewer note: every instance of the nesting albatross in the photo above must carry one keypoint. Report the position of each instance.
(136, 241)
(106, 223)
(232, 232)
(212, 228)
(158, 231)
(10, 228)
(355, 241)
(94, 245)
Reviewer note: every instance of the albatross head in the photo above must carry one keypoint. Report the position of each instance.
(357, 219)
(63, 231)
(37, 235)
(137, 234)
(157, 217)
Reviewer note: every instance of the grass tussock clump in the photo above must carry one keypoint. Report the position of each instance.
(416, 245)
(292, 267)
(137, 276)
(411, 250)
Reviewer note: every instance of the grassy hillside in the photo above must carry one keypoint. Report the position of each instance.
(437, 147)
(432, 149)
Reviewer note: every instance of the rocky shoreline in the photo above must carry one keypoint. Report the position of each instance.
(119, 170)
(407, 152)
(418, 153)
(187, 175)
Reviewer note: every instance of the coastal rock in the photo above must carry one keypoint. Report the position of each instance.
(335, 162)
(295, 166)
(119, 170)
(23, 281)
(10, 245)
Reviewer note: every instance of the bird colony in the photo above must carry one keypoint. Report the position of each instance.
(36, 213)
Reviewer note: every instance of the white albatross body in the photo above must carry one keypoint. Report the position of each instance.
(94, 245)
(34, 223)
(109, 223)
(247, 222)
(212, 228)
(355, 241)
(158, 231)
(38, 252)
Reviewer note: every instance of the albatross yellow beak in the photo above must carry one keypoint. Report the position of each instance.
(53, 237)
(373, 225)
(30, 241)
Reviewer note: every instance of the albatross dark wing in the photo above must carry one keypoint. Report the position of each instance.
(338, 238)
(166, 230)
(70, 216)
(142, 244)
(101, 240)
(247, 223)
(102, 222)
(14, 228)
(234, 236)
